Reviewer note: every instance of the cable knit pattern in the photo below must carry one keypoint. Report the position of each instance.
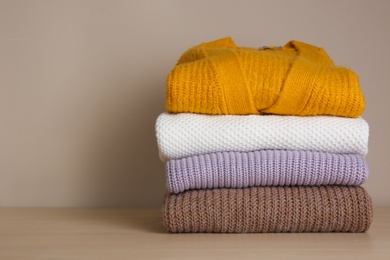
(270, 209)
(265, 168)
(183, 135)
(219, 77)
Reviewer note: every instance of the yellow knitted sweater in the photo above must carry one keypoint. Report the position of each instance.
(298, 79)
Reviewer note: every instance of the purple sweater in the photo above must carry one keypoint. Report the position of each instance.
(265, 168)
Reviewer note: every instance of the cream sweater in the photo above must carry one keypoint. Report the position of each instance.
(182, 135)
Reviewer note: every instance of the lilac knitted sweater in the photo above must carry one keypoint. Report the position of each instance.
(265, 168)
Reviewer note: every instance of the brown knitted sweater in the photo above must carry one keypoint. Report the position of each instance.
(270, 209)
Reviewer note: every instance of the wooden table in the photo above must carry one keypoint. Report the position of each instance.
(30, 233)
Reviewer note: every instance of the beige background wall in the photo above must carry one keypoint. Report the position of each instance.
(82, 82)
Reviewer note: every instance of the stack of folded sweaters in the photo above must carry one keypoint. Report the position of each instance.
(263, 140)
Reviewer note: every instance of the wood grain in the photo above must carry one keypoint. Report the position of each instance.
(42, 233)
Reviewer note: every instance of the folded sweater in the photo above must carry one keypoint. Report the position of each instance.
(264, 168)
(297, 79)
(184, 134)
(269, 209)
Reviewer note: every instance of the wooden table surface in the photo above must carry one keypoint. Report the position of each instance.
(30, 233)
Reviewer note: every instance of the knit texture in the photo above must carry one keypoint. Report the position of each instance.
(298, 79)
(183, 135)
(265, 168)
(270, 209)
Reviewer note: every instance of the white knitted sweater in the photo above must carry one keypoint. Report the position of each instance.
(182, 135)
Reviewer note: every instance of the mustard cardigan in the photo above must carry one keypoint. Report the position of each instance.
(297, 79)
